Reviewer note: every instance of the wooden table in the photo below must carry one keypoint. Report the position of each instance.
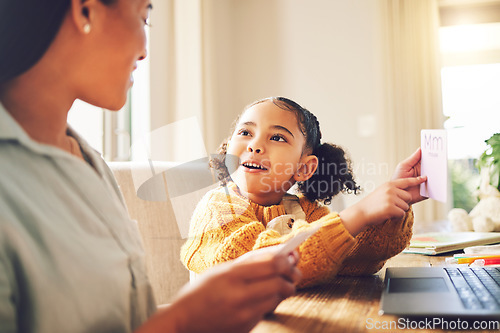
(349, 304)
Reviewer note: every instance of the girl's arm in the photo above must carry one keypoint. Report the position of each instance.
(375, 245)
(224, 228)
(391, 200)
(322, 254)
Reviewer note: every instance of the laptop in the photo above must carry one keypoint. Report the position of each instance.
(459, 292)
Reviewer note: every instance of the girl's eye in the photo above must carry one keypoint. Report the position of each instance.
(243, 132)
(278, 138)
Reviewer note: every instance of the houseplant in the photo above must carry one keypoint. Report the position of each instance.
(489, 161)
(485, 216)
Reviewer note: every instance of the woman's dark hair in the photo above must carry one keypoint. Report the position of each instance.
(334, 172)
(27, 28)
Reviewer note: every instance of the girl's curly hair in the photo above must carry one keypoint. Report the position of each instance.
(334, 172)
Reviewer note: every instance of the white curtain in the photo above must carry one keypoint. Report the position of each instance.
(176, 60)
(413, 86)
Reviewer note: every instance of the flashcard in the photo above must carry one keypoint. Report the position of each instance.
(434, 164)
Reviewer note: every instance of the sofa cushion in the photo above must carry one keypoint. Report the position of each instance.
(159, 230)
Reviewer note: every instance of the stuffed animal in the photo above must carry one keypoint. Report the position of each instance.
(484, 217)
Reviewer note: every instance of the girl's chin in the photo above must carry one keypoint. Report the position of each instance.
(255, 190)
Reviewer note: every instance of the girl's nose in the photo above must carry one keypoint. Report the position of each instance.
(257, 151)
(255, 147)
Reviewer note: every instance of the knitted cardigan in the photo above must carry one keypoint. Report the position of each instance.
(225, 225)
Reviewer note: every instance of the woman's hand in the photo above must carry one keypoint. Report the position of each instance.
(232, 296)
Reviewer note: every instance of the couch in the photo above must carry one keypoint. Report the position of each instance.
(161, 197)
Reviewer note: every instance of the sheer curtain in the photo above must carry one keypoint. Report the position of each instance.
(412, 83)
(176, 91)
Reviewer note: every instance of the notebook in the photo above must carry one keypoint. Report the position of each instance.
(456, 292)
(441, 242)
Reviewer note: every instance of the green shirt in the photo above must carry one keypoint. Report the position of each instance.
(71, 260)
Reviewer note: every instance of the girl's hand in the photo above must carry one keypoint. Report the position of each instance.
(390, 200)
(410, 167)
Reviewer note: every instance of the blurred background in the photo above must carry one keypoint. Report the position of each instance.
(374, 72)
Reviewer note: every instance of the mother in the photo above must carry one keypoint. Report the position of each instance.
(70, 258)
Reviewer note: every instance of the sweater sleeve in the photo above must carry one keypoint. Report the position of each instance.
(222, 230)
(375, 245)
(321, 255)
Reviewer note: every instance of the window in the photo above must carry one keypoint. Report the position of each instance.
(88, 121)
(471, 103)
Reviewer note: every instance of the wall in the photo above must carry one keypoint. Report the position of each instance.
(324, 54)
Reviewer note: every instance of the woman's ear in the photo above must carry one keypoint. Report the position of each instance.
(82, 12)
(308, 166)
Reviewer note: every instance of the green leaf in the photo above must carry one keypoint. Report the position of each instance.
(490, 159)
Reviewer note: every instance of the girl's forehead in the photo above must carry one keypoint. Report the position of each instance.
(267, 111)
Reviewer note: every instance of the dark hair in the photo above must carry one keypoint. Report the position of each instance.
(334, 172)
(27, 28)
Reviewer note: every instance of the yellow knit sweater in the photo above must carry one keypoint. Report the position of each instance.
(225, 225)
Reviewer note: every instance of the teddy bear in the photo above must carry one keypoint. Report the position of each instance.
(484, 217)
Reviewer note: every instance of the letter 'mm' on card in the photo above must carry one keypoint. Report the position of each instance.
(434, 164)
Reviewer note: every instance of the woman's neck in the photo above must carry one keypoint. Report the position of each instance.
(39, 107)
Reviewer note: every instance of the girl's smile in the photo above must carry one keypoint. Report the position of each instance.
(253, 166)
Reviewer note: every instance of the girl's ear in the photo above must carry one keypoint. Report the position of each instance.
(82, 13)
(308, 166)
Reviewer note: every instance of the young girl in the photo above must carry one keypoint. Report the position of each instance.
(277, 143)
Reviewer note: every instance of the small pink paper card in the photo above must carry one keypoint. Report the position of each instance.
(434, 164)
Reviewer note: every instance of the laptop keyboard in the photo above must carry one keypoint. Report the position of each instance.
(478, 287)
